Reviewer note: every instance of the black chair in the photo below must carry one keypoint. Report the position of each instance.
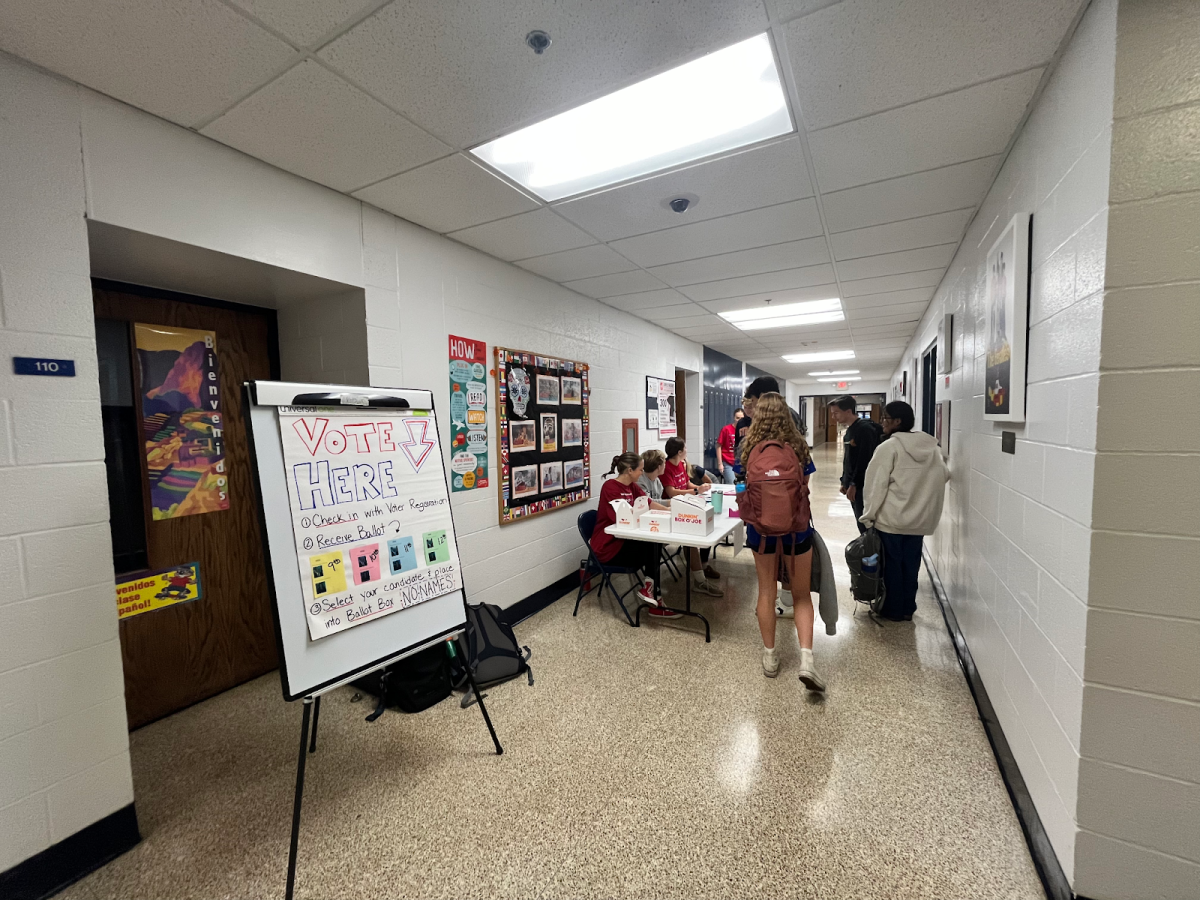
(586, 523)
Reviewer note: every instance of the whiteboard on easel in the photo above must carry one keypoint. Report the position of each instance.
(361, 552)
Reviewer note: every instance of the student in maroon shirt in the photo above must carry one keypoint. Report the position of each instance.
(626, 552)
(676, 480)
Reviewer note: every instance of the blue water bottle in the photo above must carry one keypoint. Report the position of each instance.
(870, 564)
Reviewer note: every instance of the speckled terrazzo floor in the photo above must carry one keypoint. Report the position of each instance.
(642, 764)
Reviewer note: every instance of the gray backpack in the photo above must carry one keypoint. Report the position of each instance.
(864, 558)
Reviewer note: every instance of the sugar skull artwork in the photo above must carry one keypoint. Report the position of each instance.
(518, 390)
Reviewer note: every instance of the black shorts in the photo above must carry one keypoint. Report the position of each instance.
(789, 544)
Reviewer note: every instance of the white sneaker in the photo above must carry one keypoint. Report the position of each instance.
(707, 588)
(770, 662)
(783, 605)
(808, 673)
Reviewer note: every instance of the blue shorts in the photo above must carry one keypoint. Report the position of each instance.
(789, 544)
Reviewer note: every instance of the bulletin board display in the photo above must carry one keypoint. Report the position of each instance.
(543, 433)
(660, 406)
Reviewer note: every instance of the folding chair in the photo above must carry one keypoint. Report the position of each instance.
(586, 523)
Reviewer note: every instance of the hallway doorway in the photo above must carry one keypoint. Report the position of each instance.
(161, 514)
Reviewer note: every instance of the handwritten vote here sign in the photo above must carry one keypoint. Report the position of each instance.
(370, 513)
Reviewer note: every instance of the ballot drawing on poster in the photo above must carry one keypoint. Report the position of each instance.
(370, 513)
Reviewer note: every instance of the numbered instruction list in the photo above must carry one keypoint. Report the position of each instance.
(370, 513)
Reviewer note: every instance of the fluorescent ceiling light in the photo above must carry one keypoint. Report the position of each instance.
(812, 312)
(840, 380)
(722, 101)
(839, 372)
(822, 356)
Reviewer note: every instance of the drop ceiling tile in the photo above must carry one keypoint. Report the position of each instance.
(529, 234)
(304, 21)
(854, 305)
(774, 258)
(711, 322)
(648, 300)
(940, 190)
(740, 231)
(584, 262)
(911, 234)
(912, 318)
(759, 284)
(677, 314)
(612, 285)
(698, 332)
(897, 263)
(310, 122)
(885, 329)
(783, 10)
(462, 70)
(884, 283)
(862, 56)
(968, 124)
(760, 176)
(448, 195)
(184, 62)
(891, 309)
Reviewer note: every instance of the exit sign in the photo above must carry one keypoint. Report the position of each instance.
(841, 385)
(32, 365)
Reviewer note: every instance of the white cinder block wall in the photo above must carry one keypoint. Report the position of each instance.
(64, 746)
(1139, 779)
(67, 152)
(1013, 549)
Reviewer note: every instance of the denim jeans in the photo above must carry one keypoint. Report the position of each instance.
(901, 563)
(727, 475)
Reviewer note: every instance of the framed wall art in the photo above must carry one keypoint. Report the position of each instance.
(542, 403)
(1006, 312)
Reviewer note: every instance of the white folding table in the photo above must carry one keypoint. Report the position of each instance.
(723, 527)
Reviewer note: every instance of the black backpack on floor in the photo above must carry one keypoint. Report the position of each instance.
(412, 684)
(490, 648)
(864, 558)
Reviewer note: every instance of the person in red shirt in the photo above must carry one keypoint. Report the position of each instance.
(627, 552)
(725, 444)
(676, 480)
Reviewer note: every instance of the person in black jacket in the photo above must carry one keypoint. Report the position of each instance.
(860, 440)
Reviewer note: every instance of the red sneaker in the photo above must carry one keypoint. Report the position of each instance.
(660, 612)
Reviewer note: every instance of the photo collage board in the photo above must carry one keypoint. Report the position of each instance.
(543, 433)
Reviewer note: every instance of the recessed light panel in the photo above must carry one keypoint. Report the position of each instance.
(722, 101)
(813, 312)
(838, 372)
(821, 356)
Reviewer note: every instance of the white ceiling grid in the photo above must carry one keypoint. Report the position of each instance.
(903, 108)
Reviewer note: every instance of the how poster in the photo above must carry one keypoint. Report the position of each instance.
(182, 422)
(468, 414)
(147, 591)
(370, 513)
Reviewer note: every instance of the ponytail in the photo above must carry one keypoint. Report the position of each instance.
(623, 462)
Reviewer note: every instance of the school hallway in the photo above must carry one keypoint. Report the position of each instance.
(641, 763)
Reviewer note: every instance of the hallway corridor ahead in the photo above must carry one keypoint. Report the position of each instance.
(641, 764)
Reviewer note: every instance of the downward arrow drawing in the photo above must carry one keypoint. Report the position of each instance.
(418, 445)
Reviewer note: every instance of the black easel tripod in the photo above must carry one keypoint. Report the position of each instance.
(308, 744)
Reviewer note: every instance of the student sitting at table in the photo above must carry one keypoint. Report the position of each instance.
(653, 462)
(628, 553)
(676, 481)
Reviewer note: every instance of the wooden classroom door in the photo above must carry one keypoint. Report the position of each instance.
(178, 655)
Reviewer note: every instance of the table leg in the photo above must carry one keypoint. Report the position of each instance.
(687, 611)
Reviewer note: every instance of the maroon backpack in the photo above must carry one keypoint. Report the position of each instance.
(775, 501)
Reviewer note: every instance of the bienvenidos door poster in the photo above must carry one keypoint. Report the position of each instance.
(468, 414)
(182, 423)
(370, 513)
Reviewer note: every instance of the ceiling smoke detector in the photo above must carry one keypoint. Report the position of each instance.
(537, 41)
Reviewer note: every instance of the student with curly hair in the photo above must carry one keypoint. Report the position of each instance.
(773, 422)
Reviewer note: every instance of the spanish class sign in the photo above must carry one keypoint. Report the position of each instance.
(370, 513)
(182, 423)
(147, 591)
(468, 414)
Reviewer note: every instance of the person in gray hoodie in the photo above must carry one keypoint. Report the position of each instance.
(902, 501)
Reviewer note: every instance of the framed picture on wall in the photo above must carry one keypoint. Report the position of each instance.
(572, 391)
(548, 431)
(547, 390)
(552, 477)
(1006, 313)
(522, 436)
(572, 432)
(543, 461)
